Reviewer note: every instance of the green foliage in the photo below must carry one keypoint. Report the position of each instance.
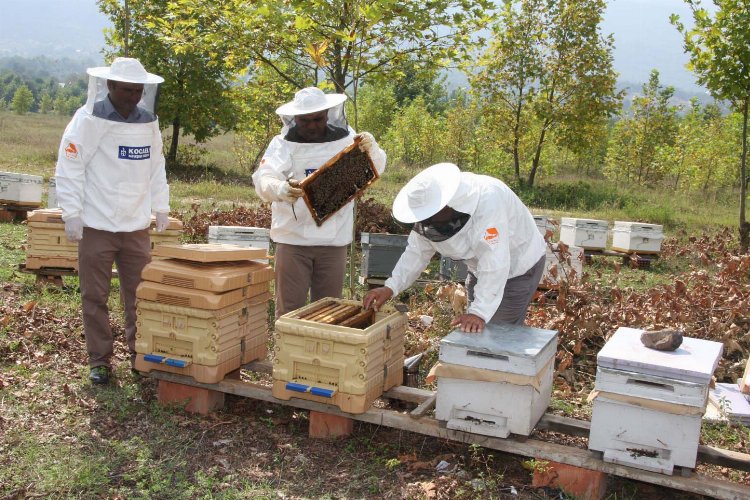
(571, 196)
(633, 151)
(45, 104)
(376, 108)
(22, 100)
(547, 72)
(415, 136)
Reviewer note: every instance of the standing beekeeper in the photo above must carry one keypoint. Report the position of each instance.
(110, 180)
(309, 258)
(476, 219)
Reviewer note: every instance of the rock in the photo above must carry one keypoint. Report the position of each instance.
(662, 340)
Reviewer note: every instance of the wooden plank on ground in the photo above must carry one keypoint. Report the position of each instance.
(534, 448)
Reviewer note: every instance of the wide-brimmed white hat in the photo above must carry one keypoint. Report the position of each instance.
(310, 100)
(427, 193)
(125, 69)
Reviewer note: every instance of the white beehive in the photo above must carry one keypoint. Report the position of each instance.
(52, 193)
(637, 237)
(543, 224)
(257, 237)
(21, 189)
(590, 234)
(497, 382)
(648, 404)
(561, 265)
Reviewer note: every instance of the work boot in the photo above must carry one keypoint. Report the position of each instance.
(99, 375)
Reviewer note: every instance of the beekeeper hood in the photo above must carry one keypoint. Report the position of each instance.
(427, 193)
(127, 70)
(311, 100)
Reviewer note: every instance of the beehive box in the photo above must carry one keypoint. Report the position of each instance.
(201, 299)
(497, 382)
(209, 276)
(380, 253)
(543, 224)
(335, 364)
(208, 252)
(590, 234)
(20, 189)
(256, 237)
(52, 193)
(194, 335)
(338, 181)
(46, 235)
(561, 264)
(648, 404)
(453, 270)
(637, 237)
(170, 235)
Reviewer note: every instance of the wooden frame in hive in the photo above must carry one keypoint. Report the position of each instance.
(332, 186)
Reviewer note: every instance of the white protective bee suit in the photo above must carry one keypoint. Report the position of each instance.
(500, 240)
(110, 180)
(293, 228)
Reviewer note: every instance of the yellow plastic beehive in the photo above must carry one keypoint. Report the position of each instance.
(335, 364)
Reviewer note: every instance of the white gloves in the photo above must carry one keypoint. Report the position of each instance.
(290, 191)
(366, 142)
(162, 222)
(74, 229)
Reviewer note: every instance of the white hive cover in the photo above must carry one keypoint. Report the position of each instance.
(694, 361)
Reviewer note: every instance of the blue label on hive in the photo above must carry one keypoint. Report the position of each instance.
(309, 171)
(134, 152)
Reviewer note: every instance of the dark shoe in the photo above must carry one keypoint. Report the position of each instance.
(99, 375)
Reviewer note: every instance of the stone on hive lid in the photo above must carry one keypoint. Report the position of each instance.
(662, 340)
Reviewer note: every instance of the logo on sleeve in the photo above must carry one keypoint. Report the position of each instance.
(134, 152)
(491, 236)
(71, 151)
(309, 171)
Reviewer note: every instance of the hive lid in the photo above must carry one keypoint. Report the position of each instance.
(636, 226)
(234, 231)
(584, 223)
(694, 361)
(50, 215)
(173, 223)
(212, 276)
(511, 348)
(209, 252)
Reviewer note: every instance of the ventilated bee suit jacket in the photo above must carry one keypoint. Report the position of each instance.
(283, 160)
(109, 173)
(500, 241)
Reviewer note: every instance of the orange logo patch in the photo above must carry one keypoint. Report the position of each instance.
(71, 151)
(491, 235)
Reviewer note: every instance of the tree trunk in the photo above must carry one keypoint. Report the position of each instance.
(172, 155)
(537, 156)
(744, 225)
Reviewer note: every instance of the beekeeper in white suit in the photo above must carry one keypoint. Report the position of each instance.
(308, 258)
(110, 180)
(476, 219)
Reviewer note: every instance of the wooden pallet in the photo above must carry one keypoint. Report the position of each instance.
(419, 422)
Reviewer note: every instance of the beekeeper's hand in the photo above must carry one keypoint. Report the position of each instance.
(162, 222)
(376, 297)
(74, 229)
(366, 141)
(290, 191)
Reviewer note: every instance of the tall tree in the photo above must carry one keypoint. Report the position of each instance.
(22, 100)
(719, 49)
(342, 41)
(548, 71)
(194, 98)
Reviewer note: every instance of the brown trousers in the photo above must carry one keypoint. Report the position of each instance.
(517, 295)
(97, 251)
(318, 270)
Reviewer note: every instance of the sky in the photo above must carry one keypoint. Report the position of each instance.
(644, 38)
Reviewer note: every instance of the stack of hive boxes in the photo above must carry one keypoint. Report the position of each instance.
(202, 310)
(48, 247)
(332, 351)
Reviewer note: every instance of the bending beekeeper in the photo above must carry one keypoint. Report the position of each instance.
(309, 258)
(110, 180)
(476, 219)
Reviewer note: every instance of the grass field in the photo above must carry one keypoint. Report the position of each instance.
(60, 437)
